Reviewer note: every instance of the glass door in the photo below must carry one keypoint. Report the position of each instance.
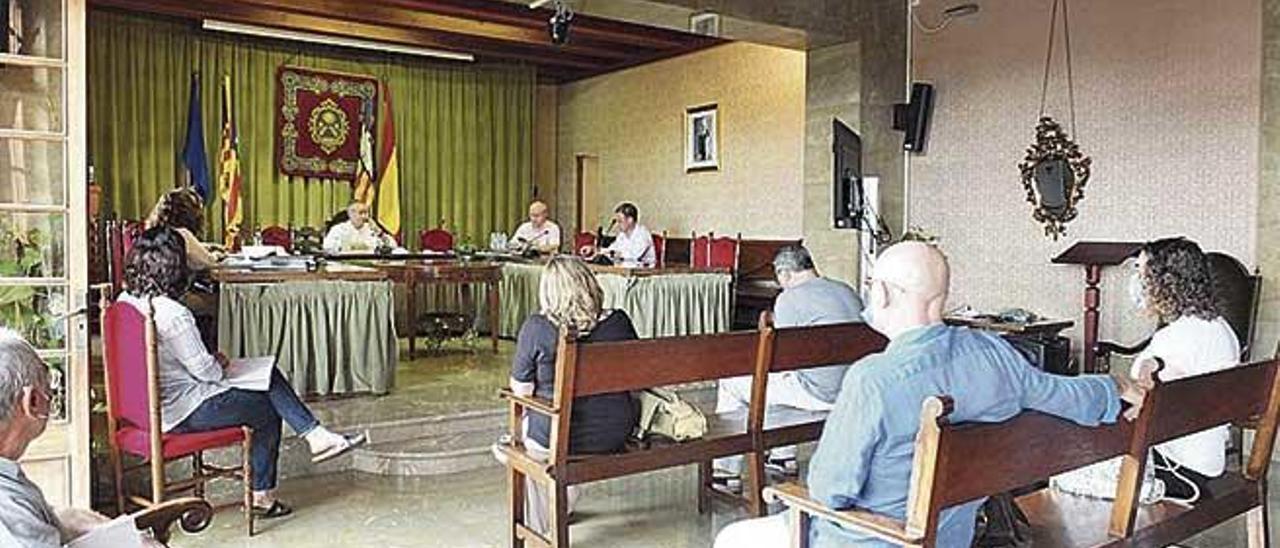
(43, 223)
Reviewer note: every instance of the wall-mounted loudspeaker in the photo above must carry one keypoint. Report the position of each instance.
(913, 118)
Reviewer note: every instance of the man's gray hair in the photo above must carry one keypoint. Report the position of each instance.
(792, 258)
(20, 367)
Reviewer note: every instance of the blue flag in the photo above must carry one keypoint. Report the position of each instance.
(194, 159)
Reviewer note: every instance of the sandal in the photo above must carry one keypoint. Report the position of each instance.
(348, 443)
(276, 510)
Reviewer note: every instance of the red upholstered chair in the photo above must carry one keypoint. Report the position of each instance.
(723, 252)
(133, 417)
(700, 251)
(660, 248)
(278, 235)
(436, 239)
(120, 237)
(583, 239)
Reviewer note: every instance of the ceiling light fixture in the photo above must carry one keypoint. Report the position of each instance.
(330, 40)
(948, 15)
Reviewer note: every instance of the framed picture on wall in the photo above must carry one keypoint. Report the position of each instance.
(701, 139)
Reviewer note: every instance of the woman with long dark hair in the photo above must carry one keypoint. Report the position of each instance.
(194, 392)
(182, 210)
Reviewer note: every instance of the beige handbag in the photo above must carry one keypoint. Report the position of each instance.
(664, 414)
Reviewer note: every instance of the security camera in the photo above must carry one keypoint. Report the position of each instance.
(559, 23)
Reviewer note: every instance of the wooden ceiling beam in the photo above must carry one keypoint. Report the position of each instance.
(238, 12)
(373, 12)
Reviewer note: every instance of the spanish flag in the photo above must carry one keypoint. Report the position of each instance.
(229, 179)
(365, 191)
(387, 207)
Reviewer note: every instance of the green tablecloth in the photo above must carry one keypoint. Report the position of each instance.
(328, 337)
(666, 305)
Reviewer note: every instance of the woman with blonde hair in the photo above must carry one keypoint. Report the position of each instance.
(570, 298)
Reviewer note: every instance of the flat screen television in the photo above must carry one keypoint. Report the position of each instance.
(848, 202)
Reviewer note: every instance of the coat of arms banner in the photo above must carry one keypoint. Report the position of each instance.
(321, 116)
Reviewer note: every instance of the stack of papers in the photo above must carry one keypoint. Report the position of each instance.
(250, 373)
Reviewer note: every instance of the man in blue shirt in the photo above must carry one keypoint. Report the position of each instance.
(807, 298)
(865, 454)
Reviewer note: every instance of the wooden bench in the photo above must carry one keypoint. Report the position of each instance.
(959, 463)
(781, 350)
(599, 368)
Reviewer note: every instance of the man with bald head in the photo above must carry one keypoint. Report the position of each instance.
(865, 454)
(538, 233)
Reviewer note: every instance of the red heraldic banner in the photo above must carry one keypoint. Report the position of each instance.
(318, 131)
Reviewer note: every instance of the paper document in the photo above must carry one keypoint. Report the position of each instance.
(250, 373)
(117, 533)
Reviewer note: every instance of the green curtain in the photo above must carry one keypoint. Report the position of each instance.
(464, 132)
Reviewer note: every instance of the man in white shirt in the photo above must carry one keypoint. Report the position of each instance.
(539, 232)
(633, 245)
(354, 234)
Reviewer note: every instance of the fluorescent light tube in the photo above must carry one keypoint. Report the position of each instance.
(329, 40)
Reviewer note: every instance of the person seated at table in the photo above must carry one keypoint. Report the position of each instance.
(1172, 283)
(357, 233)
(570, 297)
(26, 518)
(181, 209)
(194, 391)
(864, 457)
(807, 298)
(633, 245)
(538, 233)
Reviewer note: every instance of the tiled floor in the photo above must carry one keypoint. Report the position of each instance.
(469, 510)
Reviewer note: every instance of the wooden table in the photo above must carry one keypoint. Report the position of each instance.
(413, 273)
(327, 271)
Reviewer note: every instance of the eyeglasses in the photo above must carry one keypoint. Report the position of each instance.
(871, 280)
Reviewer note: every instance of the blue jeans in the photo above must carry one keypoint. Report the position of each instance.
(260, 411)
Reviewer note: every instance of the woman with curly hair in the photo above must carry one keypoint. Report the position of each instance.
(194, 392)
(1172, 282)
(182, 210)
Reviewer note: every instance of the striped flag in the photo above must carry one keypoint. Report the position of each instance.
(195, 163)
(388, 204)
(229, 179)
(365, 191)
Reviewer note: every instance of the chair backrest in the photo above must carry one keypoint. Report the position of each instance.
(678, 250)
(633, 365)
(660, 248)
(436, 239)
(120, 237)
(700, 251)
(955, 463)
(722, 252)
(583, 239)
(278, 235)
(129, 353)
(1237, 292)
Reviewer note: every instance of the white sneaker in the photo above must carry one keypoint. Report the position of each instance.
(339, 448)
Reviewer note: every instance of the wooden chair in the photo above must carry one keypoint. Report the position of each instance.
(191, 513)
(722, 252)
(278, 235)
(959, 463)
(679, 252)
(583, 239)
(660, 248)
(584, 369)
(120, 237)
(438, 240)
(699, 250)
(133, 417)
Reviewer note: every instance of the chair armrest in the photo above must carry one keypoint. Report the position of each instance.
(530, 402)
(1104, 349)
(797, 497)
(193, 514)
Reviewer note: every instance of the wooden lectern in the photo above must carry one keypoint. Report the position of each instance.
(1093, 256)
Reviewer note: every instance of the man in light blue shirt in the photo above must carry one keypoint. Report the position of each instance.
(806, 299)
(865, 454)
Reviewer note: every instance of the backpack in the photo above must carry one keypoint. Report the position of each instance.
(663, 413)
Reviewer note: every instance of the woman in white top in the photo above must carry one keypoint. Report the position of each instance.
(194, 392)
(1173, 282)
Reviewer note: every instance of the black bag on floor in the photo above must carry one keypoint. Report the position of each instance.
(1001, 524)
